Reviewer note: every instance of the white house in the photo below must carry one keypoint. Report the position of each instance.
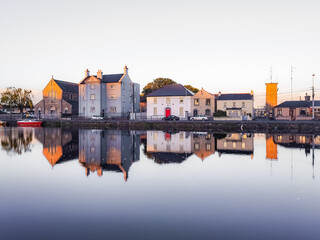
(172, 99)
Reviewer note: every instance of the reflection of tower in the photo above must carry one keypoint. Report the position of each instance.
(271, 149)
(271, 98)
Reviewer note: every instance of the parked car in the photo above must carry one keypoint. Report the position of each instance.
(97, 117)
(199, 118)
(171, 118)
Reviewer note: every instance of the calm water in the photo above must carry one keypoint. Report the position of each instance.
(95, 184)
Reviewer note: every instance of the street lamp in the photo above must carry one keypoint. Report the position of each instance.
(313, 96)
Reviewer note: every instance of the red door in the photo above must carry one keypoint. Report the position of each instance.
(168, 112)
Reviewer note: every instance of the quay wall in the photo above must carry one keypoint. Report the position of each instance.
(310, 127)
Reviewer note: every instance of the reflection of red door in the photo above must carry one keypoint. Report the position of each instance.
(167, 136)
(168, 112)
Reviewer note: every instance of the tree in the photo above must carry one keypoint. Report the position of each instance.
(156, 84)
(161, 82)
(17, 97)
(192, 89)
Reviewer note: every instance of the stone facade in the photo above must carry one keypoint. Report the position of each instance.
(59, 98)
(203, 103)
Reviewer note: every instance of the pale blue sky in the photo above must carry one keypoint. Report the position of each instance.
(225, 46)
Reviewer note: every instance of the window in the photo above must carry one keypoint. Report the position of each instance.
(92, 96)
(92, 149)
(243, 104)
(208, 101)
(155, 112)
(279, 138)
(208, 112)
(181, 136)
(234, 145)
(155, 100)
(181, 111)
(243, 145)
(196, 102)
(92, 86)
(113, 109)
(112, 97)
(303, 112)
(181, 100)
(168, 100)
(92, 109)
(208, 146)
(197, 146)
(135, 100)
(71, 96)
(84, 109)
(112, 86)
(234, 104)
(113, 137)
(279, 111)
(112, 149)
(155, 136)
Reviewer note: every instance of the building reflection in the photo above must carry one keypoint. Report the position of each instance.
(59, 145)
(236, 143)
(108, 150)
(165, 147)
(203, 144)
(305, 142)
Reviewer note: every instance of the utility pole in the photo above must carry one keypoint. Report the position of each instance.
(291, 80)
(313, 96)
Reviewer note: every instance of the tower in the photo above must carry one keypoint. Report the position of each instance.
(271, 98)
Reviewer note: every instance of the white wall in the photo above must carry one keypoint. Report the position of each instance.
(177, 143)
(174, 104)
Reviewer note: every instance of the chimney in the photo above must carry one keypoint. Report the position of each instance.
(307, 98)
(219, 93)
(251, 92)
(126, 70)
(87, 73)
(99, 74)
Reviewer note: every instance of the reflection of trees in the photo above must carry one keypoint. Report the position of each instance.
(17, 142)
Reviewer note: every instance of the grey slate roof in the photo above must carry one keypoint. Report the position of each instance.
(171, 90)
(235, 96)
(111, 78)
(295, 104)
(67, 86)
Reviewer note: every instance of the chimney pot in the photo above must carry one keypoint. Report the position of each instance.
(87, 73)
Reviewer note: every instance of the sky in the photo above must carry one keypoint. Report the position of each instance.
(227, 46)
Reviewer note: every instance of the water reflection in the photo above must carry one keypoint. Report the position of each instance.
(99, 151)
(16, 140)
(58, 145)
(106, 150)
(236, 143)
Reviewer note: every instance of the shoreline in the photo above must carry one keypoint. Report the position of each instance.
(312, 127)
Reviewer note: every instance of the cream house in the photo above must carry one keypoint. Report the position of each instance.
(203, 103)
(236, 105)
(172, 99)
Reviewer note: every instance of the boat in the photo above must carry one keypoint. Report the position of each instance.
(29, 123)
